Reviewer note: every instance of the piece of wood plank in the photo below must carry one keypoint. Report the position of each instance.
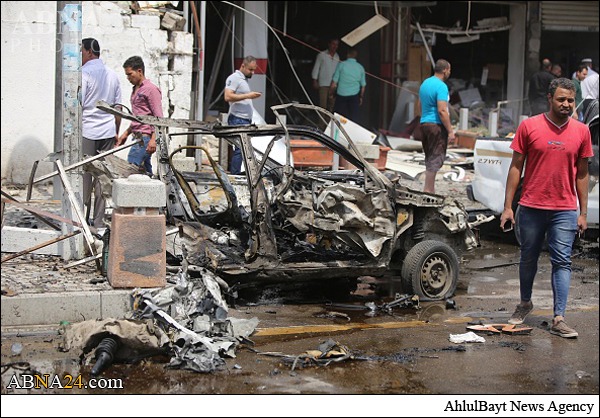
(87, 233)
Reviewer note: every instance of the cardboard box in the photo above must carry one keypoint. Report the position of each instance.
(419, 65)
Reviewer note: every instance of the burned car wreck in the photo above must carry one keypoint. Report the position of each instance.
(276, 223)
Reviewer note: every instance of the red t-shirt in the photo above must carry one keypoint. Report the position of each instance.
(551, 161)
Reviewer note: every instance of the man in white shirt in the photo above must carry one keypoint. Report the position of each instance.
(588, 62)
(239, 95)
(322, 73)
(589, 87)
(99, 128)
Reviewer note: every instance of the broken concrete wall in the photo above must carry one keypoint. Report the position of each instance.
(28, 73)
(28, 50)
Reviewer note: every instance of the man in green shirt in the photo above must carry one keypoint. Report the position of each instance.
(580, 75)
(348, 84)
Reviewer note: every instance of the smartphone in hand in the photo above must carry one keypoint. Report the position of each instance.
(508, 226)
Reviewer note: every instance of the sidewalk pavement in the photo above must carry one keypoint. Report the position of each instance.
(38, 290)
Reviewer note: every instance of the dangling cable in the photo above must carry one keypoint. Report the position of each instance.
(468, 19)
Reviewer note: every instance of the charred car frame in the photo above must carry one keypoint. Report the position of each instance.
(279, 224)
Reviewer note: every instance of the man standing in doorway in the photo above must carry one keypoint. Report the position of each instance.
(556, 149)
(146, 99)
(239, 96)
(322, 73)
(538, 88)
(99, 128)
(556, 70)
(436, 127)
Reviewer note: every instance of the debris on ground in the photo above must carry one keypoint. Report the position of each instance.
(501, 328)
(333, 315)
(401, 301)
(514, 345)
(137, 339)
(186, 321)
(469, 337)
(328, 352)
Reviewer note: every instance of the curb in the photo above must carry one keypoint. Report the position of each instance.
(53, 308)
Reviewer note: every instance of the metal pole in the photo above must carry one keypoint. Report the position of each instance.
(426, 46)
(87, 160)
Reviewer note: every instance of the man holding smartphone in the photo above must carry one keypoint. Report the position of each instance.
(556, 149)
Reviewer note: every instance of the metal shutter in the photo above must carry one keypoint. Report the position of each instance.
(574, 16)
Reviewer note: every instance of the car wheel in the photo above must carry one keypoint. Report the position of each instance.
(430, 270)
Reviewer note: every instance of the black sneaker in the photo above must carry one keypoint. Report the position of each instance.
(521, 312)
(563, 330)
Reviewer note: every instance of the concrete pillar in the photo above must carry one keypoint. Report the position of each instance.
(67, 128)
(522, 118)
(137, 246)
(517, 36)
(253, 33)
(493, 124)
(463, 121)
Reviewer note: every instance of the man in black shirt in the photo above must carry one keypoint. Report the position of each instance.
(538, 88)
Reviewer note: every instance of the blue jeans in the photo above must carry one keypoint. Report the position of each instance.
(139, 156)
(236, 160)
(560, 226)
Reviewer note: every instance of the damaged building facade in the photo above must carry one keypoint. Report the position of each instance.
(191, 47)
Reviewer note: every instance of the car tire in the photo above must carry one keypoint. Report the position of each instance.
(430, 270)
(470, 194)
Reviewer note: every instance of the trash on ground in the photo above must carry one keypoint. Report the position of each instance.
(328, 352)
(501, 328)
(469, 337)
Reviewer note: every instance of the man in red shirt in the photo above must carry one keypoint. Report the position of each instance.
(556, 149)
(146, 99)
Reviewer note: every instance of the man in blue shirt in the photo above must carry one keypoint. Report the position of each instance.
(239, 96)
(350, 82)
(436, 127)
